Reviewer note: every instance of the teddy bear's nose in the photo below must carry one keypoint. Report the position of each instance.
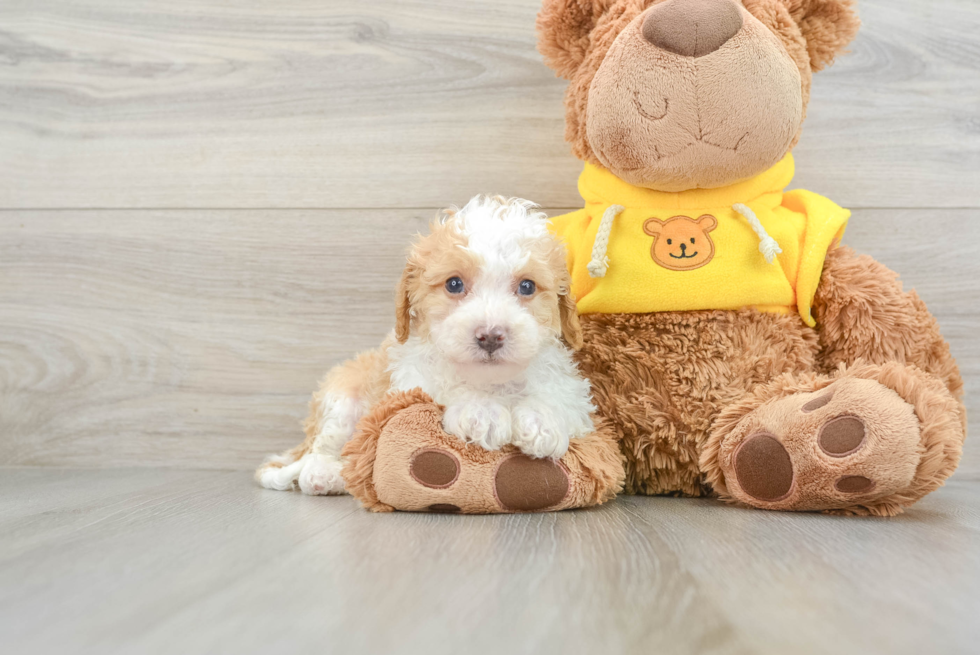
(692, 28)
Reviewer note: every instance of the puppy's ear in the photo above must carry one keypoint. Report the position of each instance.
(407, 288)
(564, 28)
(827, 25)
(571, 328)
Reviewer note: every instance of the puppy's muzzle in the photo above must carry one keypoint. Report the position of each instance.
(490, 339)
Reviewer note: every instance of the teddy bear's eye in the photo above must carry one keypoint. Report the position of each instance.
(670, 241)
(692, 239)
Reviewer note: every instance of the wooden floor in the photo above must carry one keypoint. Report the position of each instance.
(167, 561)
(205, 205)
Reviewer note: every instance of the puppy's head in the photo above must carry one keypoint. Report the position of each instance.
(489, 287)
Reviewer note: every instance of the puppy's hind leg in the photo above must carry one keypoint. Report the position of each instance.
(334, 419)
(314, 466)
(343, 398)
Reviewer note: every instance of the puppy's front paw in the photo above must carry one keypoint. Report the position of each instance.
(484, 423)
(538, 433)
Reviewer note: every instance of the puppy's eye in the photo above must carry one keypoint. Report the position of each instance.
(454, 285)
(670, 241)
(526, 287)
(692, 239)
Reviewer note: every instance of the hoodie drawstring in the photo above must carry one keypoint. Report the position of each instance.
(600, 263)
(767, 245)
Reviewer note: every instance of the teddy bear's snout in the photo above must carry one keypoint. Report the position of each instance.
(692, 28)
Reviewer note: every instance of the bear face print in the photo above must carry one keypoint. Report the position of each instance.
(681, 243)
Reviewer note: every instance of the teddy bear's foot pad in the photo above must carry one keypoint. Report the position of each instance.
(456, 477)
(402, 459)
(523, 484)
(849, 443)
(520, 483)
(434, 468)
(765, 471)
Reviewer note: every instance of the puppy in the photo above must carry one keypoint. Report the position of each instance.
(481, 311)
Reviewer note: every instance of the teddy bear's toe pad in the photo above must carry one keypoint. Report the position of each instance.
(841, 436)
(435, 469)
(846, 444)
(854, 484)
(445, 508)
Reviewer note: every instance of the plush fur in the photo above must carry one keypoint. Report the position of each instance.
(510, 286)
(686, 392)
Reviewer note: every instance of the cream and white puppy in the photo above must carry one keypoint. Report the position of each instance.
(481, 311)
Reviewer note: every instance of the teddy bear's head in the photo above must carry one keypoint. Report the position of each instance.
(681, 94)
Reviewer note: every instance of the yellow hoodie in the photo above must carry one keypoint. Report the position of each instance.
(633, 250)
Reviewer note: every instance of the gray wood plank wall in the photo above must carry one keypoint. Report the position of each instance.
(204, 206)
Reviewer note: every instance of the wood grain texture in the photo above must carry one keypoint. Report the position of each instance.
(155, 561)
(194, 338)
(412, 103)
(182, 332)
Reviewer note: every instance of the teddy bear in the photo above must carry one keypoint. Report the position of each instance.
(735, 347)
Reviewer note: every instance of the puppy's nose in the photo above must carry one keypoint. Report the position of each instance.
(692, 28)
(490, 339)
(683, 247)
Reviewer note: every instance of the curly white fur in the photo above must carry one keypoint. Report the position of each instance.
(538, 410)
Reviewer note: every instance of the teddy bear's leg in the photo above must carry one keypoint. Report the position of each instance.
(401, 458)
(872, 439)
(881, 429)
(863, 314)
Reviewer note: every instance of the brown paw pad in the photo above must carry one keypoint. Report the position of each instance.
(854, 484)
(818, 402)
(523, 484)
(436, 469)
(763, 468)
(842, 436)
(444, 508)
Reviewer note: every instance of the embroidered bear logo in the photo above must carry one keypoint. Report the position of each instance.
(681, 243)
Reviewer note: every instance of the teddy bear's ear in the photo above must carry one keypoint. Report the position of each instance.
(707, 223)
(827, 25)
(653, 226)
(563, 32)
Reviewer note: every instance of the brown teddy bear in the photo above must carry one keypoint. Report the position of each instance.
(732, 346)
